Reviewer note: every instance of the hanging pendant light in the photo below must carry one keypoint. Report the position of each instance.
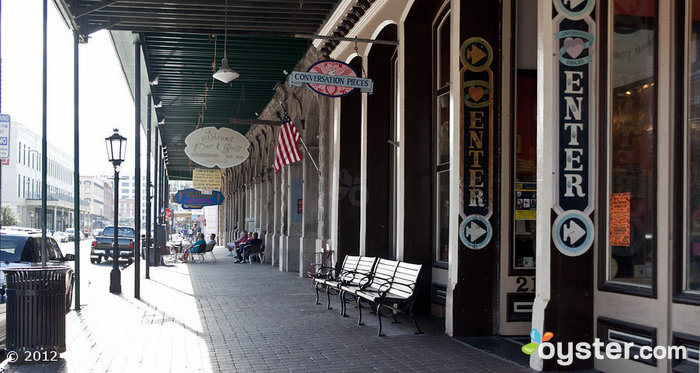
(225, 74)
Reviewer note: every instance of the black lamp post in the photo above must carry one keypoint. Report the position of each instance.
(116, 150)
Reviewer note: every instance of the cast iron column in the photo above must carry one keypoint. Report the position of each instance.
(43, 146)
(148, 188)
(76, 170)
(115, 277)
(137, 169)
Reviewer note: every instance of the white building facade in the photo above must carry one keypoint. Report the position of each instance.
(21, 181)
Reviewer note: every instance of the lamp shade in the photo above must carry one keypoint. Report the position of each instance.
(116, 148)
(225, 73)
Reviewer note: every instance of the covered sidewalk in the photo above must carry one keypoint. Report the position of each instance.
(226, 317)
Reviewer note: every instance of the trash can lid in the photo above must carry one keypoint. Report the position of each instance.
(35, 269)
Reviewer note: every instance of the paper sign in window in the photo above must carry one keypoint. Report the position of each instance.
(620, 219)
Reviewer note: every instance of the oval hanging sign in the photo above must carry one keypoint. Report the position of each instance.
(212, 147)
(331, 78)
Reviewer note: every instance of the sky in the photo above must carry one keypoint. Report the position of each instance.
(105, 100)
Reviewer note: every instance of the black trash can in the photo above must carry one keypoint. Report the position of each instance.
(36, 308)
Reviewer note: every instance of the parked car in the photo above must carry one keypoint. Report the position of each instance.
(71, 234)
(23, 249)
(60, 236)
(102, 245)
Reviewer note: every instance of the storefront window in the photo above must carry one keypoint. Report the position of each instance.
(692, 160)
(443, 224)
(631, 147)
(441, 94)
(525, 198)
(443, 44)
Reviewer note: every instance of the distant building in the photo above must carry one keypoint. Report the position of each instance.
(93, 192)
(21, 182)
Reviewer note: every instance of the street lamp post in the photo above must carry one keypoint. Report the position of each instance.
(116, 149)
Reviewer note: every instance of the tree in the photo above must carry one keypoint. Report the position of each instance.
(8, 216)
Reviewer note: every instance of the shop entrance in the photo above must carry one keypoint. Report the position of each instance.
(519, 187)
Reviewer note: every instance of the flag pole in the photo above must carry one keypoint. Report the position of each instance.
(304, 145)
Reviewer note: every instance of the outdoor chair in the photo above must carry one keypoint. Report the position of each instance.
(199, 256)
(209, 249)
(256, 249)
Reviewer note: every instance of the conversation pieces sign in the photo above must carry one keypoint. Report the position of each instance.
(193, 199)
(212, 147)
(476, 179)
(572, 230)
(331, 78)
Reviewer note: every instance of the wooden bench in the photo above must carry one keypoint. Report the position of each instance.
(384, 284)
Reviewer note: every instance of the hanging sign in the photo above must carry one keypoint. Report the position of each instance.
(331, 78)
(572, 231)
(206, 179)
(168, 214)
(476, 175)
(212, 147)
(4, 137)
(192, 197)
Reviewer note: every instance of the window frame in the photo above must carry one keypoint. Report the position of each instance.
(605, 117)
(682, 30)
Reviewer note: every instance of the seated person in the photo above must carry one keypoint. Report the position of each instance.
(235, 244)
(253, 240)
(212, 240)
(200, 244)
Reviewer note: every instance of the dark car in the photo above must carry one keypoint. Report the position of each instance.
(23, 249)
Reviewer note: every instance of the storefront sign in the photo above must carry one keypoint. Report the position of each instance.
(620, 219)
(4, 136)
(193, 197)
(331, 78)
(525, 201)
(206, 179)
(168, 214)
(212, 147)
(573, 229)
(476, 175)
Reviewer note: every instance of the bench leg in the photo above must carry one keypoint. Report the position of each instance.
(418, 331)
(328, 295)
(359, 311)
(379, 317)
(316, 288)
(393, 314)
(343, 304)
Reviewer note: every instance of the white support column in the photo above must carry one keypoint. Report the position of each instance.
(284, 225)
(363, 170)
(546, 166)
(335, 177)
(455, 164)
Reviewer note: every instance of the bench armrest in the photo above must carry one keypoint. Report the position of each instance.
(387, 286)
(350, 277)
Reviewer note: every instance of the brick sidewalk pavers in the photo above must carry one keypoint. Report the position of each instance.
(226, 317)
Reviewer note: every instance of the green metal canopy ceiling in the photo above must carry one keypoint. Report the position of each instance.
(183, 46)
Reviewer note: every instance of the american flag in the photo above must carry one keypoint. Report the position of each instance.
(287, 150)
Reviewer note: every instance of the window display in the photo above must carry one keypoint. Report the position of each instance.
(631, 135)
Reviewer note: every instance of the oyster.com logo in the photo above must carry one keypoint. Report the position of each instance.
(536, 338)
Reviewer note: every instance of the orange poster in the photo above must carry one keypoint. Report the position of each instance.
(620, 219)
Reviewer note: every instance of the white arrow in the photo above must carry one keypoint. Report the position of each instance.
(474, 232)
(573, 232)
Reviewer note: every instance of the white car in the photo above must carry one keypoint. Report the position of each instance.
(60, 236)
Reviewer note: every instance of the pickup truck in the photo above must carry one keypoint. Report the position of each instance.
(102, 245)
